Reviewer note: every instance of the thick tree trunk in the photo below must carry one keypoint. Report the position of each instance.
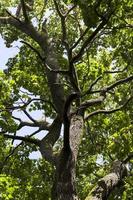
(64, 186)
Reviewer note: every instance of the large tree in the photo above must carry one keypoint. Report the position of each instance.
(75, 65)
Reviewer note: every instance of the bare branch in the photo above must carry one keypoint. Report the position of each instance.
(70, 10)
(29, 116)
(25, 104)
(43, 125)
(58, 10)
(116, 71)
(63, 25)
(12, 150)
(91, 86)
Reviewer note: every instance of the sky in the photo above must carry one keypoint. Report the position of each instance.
(5, 54)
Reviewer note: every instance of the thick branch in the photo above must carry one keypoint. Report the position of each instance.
(56, 89)
(28, 29)
(107, 184)
(92, 102)
(47, 143)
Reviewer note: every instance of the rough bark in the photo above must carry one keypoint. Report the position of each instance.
(64, 186)
(107, 184)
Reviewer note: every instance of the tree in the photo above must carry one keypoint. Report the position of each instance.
(75, 64)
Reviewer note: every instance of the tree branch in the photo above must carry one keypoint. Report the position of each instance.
(92, 102)
(47, 143)
(112, 86)
(25, 139)
(70, 10)
(106, 185)
(116, 71)
(119, 82)
(92, 84)
(107, 111)
(128, 158)
(24, 10)
(35, 50)
(14, 17)
(80, 38)
(89, 39)
(63, 25)
(12, 151)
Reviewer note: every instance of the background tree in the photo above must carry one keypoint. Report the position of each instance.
(75, 65)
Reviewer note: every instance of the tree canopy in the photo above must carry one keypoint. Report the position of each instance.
(75, 66)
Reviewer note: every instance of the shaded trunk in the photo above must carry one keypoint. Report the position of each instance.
(64, 186)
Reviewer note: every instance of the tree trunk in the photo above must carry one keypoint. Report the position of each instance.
(64, 185)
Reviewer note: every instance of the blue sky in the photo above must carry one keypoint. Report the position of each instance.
(5, 54)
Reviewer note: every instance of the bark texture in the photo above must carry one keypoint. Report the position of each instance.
(64, 186)
(105, 185)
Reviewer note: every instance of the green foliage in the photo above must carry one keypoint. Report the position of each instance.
(26, 179)
(106, 137)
